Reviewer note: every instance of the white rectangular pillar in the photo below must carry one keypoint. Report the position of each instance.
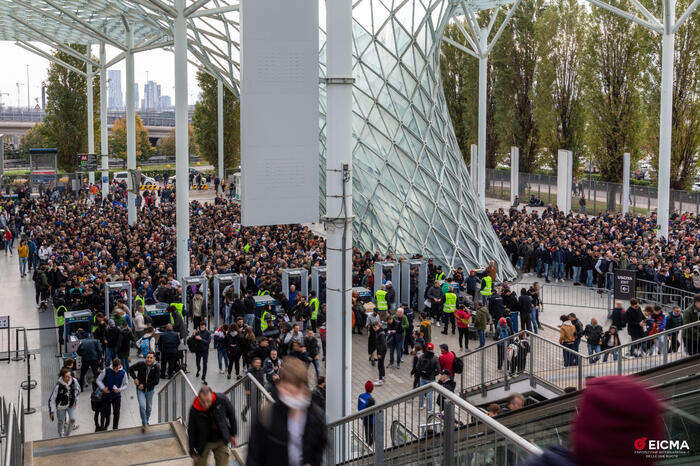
(220, 127)
(182, 192)
(473, 164)
(339, 199)
(90, 111)
(130, 124)
(665, 119)
(625, 182)
(564, 173)
(104, 147)
(514, 173)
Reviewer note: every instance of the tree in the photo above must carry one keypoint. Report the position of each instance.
(558, 110)
(514, 60)
(166, 145)
(204, 123)
(615, 59)
(65, 120)
(117, 140)
(685, 138)
(36, 137)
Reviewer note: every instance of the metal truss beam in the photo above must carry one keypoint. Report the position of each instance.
(215, 11)
(37, 51)
(97, 33)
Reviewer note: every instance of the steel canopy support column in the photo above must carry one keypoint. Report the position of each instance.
(339, 202)
(90, 113)
(666, 118)
(181, 143)
(104, 147)
(220, 126)
(514, 173)
(481, 139)
(130, 123)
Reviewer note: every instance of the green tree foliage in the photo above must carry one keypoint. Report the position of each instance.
(685, 138)
(166, 145)
(204, 123)
(558, 110)
(117, 140)
(616, 56)
(65, 121)
(515, 60)
(36, 137)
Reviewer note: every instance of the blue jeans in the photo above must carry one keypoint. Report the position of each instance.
(22, 266)
(559, 270)
(249, 319)
(145, 400)
(535, 318)
(569, 358)
(421, 382)
(577, 273)
(609, 281)
(125, 363)
(593, 349)
(64, 418)
(482, 337)
(396, 346)
(546, 271)
(222, 355)
(110, 353)
(614, 355)
(589, 278)
(514, 320)
(521, 262)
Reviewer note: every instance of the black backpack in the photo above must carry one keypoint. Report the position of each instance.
(457, 364)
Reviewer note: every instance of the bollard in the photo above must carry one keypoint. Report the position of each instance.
(29, 385)
(17, 357)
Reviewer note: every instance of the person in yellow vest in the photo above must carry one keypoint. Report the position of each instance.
(486, 289)
(314, 304)
(439, 275)
(448, 311)
(382, 304)
(60, 322)
(262, 292)
(140, 300)
(265, 319)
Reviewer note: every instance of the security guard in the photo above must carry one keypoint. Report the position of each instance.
(139, 300)
(486, 289)
(60, 322)
(314, 305)
(448, 311)
(263, 320)
(262, 292)
(439, 276)
(382, 305)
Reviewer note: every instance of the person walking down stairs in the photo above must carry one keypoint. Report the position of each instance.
(63, 401)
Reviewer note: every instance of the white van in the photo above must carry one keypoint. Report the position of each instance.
(122, 176)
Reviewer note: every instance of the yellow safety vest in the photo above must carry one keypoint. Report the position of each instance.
(179, 307)
(60, 319)
(246, 248)
(450, 303)
(486, 291)
(263, 292)
(263, 321)
(139, 299)
(314, 313)
(382, 305)
(439, 276)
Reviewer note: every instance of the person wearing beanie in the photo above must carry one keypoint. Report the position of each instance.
(615, 412)
(365, 401)
(427, 367)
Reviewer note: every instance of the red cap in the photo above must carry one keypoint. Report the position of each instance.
(502, 321)
(369, 386)
(429, 347)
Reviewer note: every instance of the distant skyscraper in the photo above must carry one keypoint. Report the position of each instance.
(151, 96)
(114, 89)
(165, 102)
(136, 95)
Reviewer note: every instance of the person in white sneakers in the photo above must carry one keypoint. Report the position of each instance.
(63, 401)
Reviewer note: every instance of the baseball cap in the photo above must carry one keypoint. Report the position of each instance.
(430, 347)
(369, 386)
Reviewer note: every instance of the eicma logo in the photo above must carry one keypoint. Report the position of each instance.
(661, 449)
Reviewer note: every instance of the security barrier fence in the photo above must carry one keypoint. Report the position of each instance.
(599, 196)
(12, 431)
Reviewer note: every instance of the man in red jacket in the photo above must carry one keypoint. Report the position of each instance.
(462, 316)
(446, 359)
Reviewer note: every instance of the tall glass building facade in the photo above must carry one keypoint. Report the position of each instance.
(411, 188)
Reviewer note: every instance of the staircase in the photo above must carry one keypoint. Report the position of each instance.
(163, 444)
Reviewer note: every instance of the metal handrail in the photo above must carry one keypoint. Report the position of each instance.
(459, 402)
(249, 378)
(172, 380)
(648, 338)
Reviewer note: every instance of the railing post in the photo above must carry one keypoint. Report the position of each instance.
(330, 451)
(160, 408)
(166, 418)
(254, 405)
(532, 359)
(580, 372)
(483, 372)
(619, 360)
(379, 438)
(664, 347)
(448, 431)
(183, 401)
(506, 385)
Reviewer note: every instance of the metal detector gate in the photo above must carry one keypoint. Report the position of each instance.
(219, 279)
(318, 273)
(288, 278)
(406, 290)
(118, 287)
(197, 280)
(395, 278)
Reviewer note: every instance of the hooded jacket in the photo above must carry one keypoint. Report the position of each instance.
(64, 394)
(210, 425)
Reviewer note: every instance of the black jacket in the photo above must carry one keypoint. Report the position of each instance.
(380, 340)
(169, 342)
(112, 336)
(199, 425)
(269, 438)
(138, 371)
(428, 366)
(90, 350)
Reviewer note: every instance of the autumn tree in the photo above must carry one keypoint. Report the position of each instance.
(117, 140)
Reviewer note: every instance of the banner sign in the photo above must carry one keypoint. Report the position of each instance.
(279, 112)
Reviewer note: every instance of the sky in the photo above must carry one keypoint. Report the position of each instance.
(156, 64)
